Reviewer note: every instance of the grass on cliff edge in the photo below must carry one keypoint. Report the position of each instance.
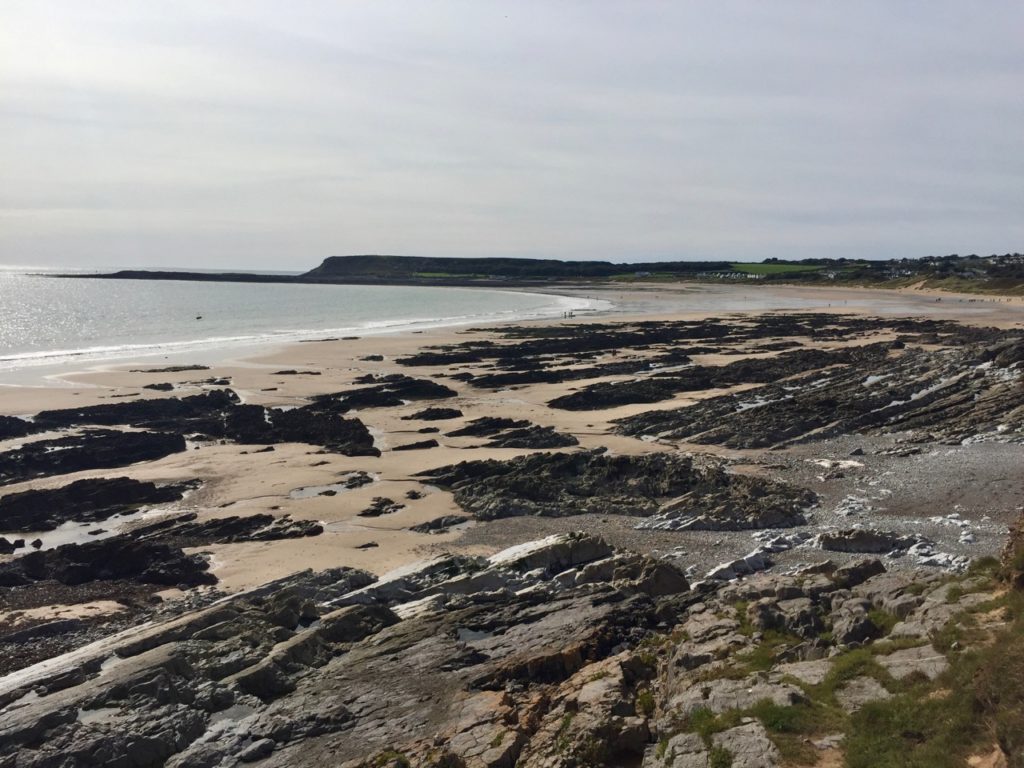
(978, 702)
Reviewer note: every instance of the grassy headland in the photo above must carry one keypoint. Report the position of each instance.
(996, 274)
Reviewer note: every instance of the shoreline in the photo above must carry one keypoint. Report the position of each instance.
(625, 302)
(57, 364)
(241, 481)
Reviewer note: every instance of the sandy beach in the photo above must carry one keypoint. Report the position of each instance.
(241, 480)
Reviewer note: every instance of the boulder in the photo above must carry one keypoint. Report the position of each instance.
(723, 694)
(865, 540)
(851, 624)
(860, 691)
(434, 414)
(417, 446)
(749, 746)
(924, 660)
(852, 574)
(439, 524)
(553, 554)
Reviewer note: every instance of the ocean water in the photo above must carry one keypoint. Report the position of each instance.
(48, 321)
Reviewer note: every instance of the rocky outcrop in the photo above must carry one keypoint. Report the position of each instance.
(324, 664)
(513, 433)
(12, 426)
(187, 531)
(171, 414)
(865, 540)
(92, 449)
(8, 547)
(439, 524)
(952, 394)
(83, 501)
(659, 386)
(434, 414)
(386, 390)
(562, 484)
(560, 652)
(733, 503)
(115, 558)
(381, 506)
(488, 426)
(219, 414)
(419, 445)
(538, 354)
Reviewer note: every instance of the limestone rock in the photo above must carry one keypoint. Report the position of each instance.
(718, 696)
(749, 746)
(860, 691)
(924, 660)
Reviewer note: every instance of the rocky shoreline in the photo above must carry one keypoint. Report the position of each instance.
(558, 652)
(696, 542)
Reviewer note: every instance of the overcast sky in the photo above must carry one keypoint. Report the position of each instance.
(271, 134)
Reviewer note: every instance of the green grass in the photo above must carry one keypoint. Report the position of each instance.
(791, 727)
(959, 632)
(765, 654)
(984, 566)
(645, 702)
(911, 731)
(720, 757)
(859, 662)
(954, 593)
(891, 645)
(706, 723)
(745, 628)
(774, 269)
(977, 701)
(884, 620)
(788, 727)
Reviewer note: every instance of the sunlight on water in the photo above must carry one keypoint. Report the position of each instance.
(46, 319)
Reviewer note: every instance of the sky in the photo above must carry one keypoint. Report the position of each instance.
(269, 135)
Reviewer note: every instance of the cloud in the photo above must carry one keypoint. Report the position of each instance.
(250, 134)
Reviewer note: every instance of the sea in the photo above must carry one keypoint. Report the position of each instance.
(48, 321)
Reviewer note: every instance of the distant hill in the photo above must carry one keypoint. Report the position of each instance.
(439, 268)
(996, 274)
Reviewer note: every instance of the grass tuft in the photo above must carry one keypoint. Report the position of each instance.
(720, 757)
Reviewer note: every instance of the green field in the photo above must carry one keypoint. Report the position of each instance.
(774, 269)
